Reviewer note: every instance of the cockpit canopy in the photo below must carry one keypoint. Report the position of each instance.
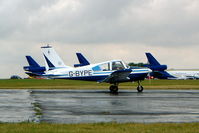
(110, 66)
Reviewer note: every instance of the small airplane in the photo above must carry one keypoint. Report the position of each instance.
(51, 63)
(113, 72)
(159, 71)
(34, 70)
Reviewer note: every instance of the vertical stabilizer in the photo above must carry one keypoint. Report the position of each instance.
(158, 70)
(52, 59)
(33, 67)
(152, 60)
(32, 62)
(82, 59)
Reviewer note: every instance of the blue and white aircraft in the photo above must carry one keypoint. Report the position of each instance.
(51, 62)
(33, 67)
(113, 72)
(159, 71)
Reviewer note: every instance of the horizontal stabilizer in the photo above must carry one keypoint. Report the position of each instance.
(33, 74)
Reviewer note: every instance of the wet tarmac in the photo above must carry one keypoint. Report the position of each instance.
(91, 106)
(15, 106)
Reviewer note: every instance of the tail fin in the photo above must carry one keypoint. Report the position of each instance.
(157, 68)
(82, 60)
(152, 60)
(52, 59)
(32, 62)
(33, 66)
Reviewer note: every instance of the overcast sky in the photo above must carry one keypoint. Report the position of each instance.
(100, 29)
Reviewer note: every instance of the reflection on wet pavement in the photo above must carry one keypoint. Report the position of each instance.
(15, 106)
(86, 106)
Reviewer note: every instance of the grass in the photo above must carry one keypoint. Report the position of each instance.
(100, 128)
(74, 84)
(37, 109)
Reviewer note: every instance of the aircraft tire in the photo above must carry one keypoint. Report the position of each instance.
(140, 88)
(113, 89)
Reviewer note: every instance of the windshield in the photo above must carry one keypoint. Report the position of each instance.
(117, 65)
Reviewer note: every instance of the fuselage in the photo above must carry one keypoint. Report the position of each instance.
(97, 72)
(184, 74)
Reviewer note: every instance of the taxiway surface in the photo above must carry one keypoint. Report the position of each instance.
(88, 106)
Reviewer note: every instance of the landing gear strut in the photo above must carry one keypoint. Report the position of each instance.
(140, 88)
(114, 88)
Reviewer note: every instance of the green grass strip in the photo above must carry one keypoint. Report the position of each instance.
(74, 84)
(100, 128)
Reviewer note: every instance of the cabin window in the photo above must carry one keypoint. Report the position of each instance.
(117, 65)
(102, 67)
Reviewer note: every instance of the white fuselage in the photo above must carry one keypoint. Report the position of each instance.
(93, 71)
(185, 74)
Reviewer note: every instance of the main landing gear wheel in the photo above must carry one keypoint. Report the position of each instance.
(113, 88)
(140, 88)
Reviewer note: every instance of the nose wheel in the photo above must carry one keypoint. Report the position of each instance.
(113, 88)
(140, 88)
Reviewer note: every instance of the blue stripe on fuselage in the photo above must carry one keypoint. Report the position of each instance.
(133, 77)
(86, 78)
(137, 76)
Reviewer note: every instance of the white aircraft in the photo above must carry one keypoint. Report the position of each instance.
(184, 74)
(113, 72)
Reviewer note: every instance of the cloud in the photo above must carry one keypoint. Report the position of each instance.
(116, 28)
(141, 21)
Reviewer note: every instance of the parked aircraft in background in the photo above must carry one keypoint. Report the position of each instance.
(159, 71)
(113, 72)
(33, 67)
(82, 60)
(52, 59)
(185, 74)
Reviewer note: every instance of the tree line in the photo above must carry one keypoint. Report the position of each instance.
(140, 64)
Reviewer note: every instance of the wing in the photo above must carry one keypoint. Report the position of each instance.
(162, 75)
(118, 76)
